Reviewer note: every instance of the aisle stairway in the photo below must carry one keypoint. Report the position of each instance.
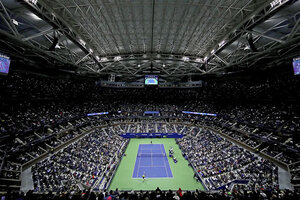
(284, 179)
(26, 180)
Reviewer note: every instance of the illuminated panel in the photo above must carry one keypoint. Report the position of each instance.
(4, 65)
(151, 80)
(296, 66)
(198, 113)
(93, 114)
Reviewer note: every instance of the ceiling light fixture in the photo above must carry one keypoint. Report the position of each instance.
(104, 59)
(198, 60)
(32, 1)
(34, 16)
(57, 46)
(222, 43)
(276, 3)
(15, 22)
(185, 58)
(117, 58)
(83, 43)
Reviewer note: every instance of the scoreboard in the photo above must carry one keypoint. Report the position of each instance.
(151, 80)
(296, 66)
(4, 65)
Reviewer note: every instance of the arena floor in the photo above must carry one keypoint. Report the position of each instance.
(152, 162)
(182, 173)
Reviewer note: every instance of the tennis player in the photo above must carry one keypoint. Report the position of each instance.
(143, 177)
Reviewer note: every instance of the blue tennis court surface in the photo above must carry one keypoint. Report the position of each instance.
(152, 161)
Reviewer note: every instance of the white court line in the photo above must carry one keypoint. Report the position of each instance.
(168, 163)
(165, 167)
(137, 162)
(161, 147)
(155, 177)
(151, 159)
(138, 167)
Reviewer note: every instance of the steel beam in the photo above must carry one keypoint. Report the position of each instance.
(38, 34)
(56, 21)
(254, 18)
(264, 53)
(9, 21)
(265, 36)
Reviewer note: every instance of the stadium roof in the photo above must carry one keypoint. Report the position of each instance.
(130, 38)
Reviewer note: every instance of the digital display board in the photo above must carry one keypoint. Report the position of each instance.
(296, 66)
(94, 114)
(151, 112)
(151, 80)
(199, 113)
(4, 65)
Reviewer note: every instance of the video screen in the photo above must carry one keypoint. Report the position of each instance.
(296, 66)
(4, 65)
(151, 80)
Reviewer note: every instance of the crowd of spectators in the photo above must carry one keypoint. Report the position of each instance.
(11, 170)
(237, 193)
(49, 101)
(219, 162)
(83, 162)
(40, 113)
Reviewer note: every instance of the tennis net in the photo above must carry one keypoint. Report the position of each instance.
(151, 155)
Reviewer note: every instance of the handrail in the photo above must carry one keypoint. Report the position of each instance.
(111, 178)
(188, 123)
(56, 149)
(2, 163)
(262, 154)
(202, 181)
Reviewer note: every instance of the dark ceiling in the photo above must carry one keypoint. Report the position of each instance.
(129, 38)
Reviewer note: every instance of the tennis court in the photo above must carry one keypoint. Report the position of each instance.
(152, 161)
(183, 175)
